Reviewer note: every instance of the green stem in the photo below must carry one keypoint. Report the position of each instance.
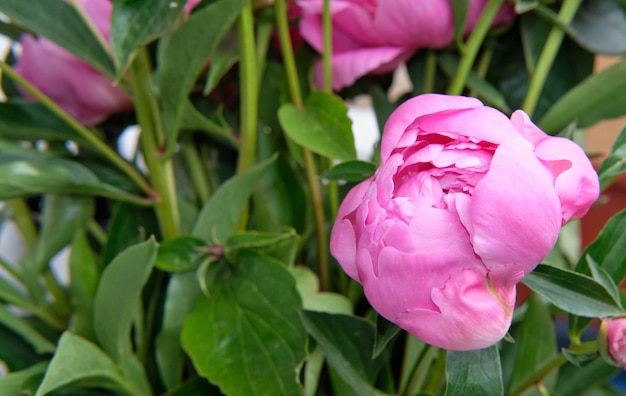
(327, 54)
(473, 45)
(547, 56)
(97, 232)
(556, 362)
(309, 163)
(430, 71)
(194, 164)
(421, 371)
(9, 268)
(83, 132)
(160, 168)
(249, 90)
(61, 303)
(437, 374)
(23, 220)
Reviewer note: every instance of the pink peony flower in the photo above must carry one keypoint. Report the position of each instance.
(615, 343)
(74, 85)
(465, 203)
(375, 36)
(78, 88)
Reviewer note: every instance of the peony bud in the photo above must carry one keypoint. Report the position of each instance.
(612, 341)
(465, 203)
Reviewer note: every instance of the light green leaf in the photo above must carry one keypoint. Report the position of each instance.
(476, 372)
(58, 21)
(13, 383)
(78, 361)
(322, 126)
(137, 23)
(220, 216)
(180, 254)
(598, 97)
(246, 337)
(182, 55)
(116, 303)
(84, 277)
(573, 292)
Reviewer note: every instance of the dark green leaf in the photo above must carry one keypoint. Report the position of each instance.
(136, 23)
(194, 120)
(84, 277)
(27, 120)
(79, 361)
(598, 97)
(129, 224)
(615, 164)
(225, 56)
(322, 126)
(220, 216)
(573, 292)
(246, 337)
(22, 328)
(116, 303)
(182, 292)
(347, 343)
(459, 8)
(13, 383)
(386, 332)
(29, 172)
(58, 21)
(180, 254)
(256, 240)
(353, 171)
(600, 27)
(574, 381)
(522, 6)
(536, 344)
(475, 372)
(533, 32)
(183, 54)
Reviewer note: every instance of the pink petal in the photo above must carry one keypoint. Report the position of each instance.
(416, 107)
(468, 315)
(514, 215)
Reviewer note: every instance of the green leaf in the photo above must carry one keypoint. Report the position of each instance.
(256, 240)
(347, 343)
(224, 57)
(182, 292)
(536, 344)
(220, 216)
(322, 126)
(183, 54)
(600, 27)
(597, 98)
(573, 292)
(576, 381)
(29, 172)
(352, 171)
(117, 301)
(615, 164)
(475, 372)
(26, 120)
(13, 383)
(459, 8)
(128, 225)
(84, 278)
(246, 337)
(137, 23)
(180, 254)
(194, 120)
(58, 21)
(78, 361)
(386, 332)
(22, 328)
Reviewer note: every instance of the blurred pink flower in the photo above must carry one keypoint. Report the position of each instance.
(615, 332)
(78, 88)
(375, 36)
(465, 203)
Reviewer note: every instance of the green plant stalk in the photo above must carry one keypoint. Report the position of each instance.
(421, 370)
(430, 71)
(327, 34)
(483, 65)
(473, 45)
(160, 168)
(547, 56)
(23, 220)
(97, 232)
(9, 269)
(61, 303)
(196, 172)
(309, 162)
(553, 364)
(438, 372)
(249, 90)
(85, 133)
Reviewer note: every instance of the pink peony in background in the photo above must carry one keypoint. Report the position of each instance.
(465, 203)
(375, 36)
(615, 330)
(74, 85)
